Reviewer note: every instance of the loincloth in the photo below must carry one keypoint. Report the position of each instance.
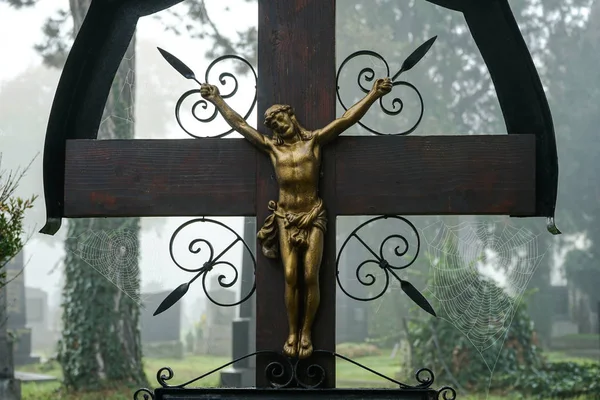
(298, 225)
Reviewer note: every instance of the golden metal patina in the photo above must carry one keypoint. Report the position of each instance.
(295, 230)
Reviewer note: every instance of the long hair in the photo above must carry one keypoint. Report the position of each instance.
(272, 111)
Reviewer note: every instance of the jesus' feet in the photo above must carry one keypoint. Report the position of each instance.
(306, 347)
(290, 348)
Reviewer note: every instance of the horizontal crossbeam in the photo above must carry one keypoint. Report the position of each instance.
(437, 175)
(128, 178)
(416, 175)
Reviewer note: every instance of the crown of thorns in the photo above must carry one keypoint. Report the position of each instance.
(273, 111)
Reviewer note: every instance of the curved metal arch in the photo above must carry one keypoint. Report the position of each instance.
(520, 92)
(109, 26)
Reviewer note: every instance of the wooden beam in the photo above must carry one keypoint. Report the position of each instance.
(296, 66)
(438, 175)
(127, 178)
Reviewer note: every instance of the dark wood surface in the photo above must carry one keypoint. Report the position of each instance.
(413, 175)
(436, 175)
(296, 66)
(126, 178)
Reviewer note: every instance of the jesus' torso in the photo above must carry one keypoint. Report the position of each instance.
(297, 168)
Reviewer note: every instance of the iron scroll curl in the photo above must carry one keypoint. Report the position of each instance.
(367, 74)
(379, 260)
(143, 394)
(195, 246)
(202, 106)
(446, 393)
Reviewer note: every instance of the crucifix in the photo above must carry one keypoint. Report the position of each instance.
(295, 230)
(512, 174)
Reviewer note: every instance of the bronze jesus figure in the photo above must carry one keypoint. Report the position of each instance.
(295, 230)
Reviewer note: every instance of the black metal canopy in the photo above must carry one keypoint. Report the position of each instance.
(109, 27)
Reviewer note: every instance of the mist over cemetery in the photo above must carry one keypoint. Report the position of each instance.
(106, 301)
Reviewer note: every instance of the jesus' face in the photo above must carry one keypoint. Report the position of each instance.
(282, 125)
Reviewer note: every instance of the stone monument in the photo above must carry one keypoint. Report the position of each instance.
(217, 337)
(17, 312)
(42, 336)
(161, 335)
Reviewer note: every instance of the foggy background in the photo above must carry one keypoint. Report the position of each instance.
(555, 276)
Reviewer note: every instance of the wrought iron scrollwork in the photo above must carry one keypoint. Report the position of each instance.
(446, 393)
(280, 374)
(202, 106)
(143, 394)
(367, 74)
(195, 247)
(284, 372)
(424, 382)
(379, 260)
(309, 374)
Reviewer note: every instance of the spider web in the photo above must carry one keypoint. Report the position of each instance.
(480, 274)
(114, 255)
(123, 95)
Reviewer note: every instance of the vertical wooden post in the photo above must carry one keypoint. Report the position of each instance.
(296, 66)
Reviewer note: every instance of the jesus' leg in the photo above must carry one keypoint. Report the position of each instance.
(289, 258)
(312, 264)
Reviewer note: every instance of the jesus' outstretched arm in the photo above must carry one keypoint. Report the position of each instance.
(211, 93)
(380, 88)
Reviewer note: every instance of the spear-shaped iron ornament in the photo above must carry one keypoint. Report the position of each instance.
(415, 57)
(179, 65)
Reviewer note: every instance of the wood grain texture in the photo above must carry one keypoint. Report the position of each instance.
(436, 175)
(296, 66)
(416, 175)
(127, 178)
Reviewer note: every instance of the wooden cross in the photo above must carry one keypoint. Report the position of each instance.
(434, 175)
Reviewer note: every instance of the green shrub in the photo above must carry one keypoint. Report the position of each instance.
(518, 363)
(559, 380)
(12, 214)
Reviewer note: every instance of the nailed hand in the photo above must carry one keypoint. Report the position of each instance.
(209, 92)
(382, 86)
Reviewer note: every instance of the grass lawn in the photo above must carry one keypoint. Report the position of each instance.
(348, 375)
(184, 370)
(558, 356)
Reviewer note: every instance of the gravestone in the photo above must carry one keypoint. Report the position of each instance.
(17, 312)
(351, 315)
(218, 331)
(562, 323)
(10, 388)
(42, 337)
(242, 373)
(161, 335)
